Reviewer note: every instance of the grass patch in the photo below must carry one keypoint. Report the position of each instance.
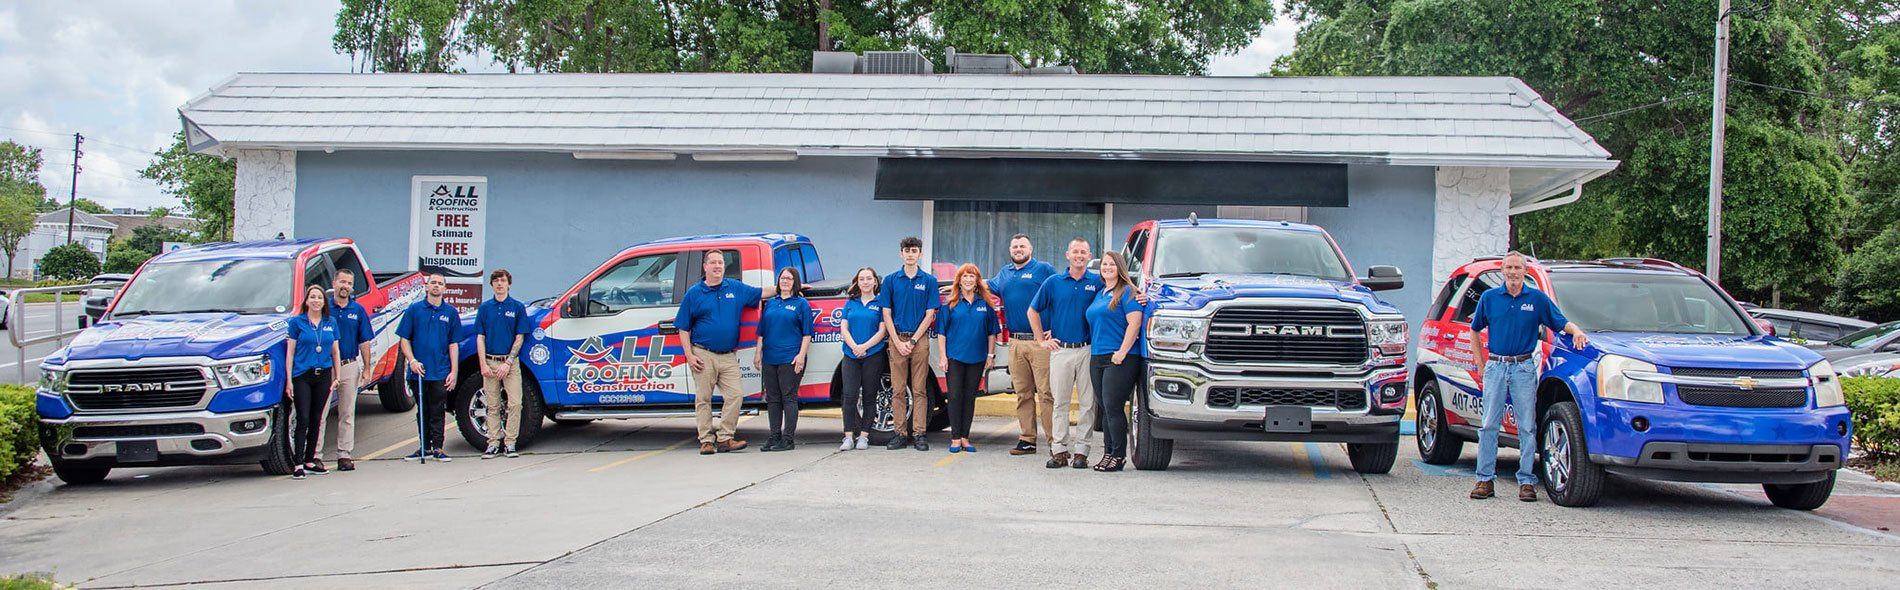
(29, 582)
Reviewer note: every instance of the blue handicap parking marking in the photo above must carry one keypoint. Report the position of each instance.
(1319, 462)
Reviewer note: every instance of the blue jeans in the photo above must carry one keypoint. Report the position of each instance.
(1517, 382)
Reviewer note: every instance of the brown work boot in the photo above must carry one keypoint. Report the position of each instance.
(1482, 491)
(730, 445)
(1057, 460)
(706, 448)
(345, 464)
(1527, 493)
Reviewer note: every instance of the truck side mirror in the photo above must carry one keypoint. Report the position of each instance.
(1383, 278)
(576, 306)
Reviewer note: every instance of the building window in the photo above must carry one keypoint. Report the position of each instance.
(979, 231)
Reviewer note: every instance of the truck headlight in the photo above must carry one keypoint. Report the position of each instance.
(1388, 336)
(243, 373)
(1827, 385)
(1166, 333)
(53, 379)
(1613, 381)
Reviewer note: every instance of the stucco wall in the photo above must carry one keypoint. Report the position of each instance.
(266, 191)
(1473, 217)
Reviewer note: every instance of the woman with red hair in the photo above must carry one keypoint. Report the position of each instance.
(966, 341)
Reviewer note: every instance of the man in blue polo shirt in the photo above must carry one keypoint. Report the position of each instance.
(431, 333)
(501, 323)
(1508, 360)
(708, 322)
(353, 334)
(1061, 306)
(1016, 284)
(911, 301)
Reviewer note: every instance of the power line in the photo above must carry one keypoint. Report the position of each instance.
(1806, 92)
(141, 151)
(1641, 107)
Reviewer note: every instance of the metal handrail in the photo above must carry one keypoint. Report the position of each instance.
(16, 320)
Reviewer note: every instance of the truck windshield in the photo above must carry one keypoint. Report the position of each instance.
(1645, 302)
(239, 286)
(1245, 250)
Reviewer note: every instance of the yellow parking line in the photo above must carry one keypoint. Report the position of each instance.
(391, 448)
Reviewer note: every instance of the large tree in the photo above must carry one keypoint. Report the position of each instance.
(16, 220)
(20, 170)
(1635, 75)
(205, 183)
(1120, 36)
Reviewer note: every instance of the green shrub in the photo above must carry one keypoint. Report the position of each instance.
(124, 259)
(69, 261)
(19, 430)
(1875, 402)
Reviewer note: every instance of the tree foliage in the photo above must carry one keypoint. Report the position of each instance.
(20, 170)
(1636, 76)
(16, 221)
(151, 239)
(1119, 36)
(70, 261)
(123, 256)
(206, 184)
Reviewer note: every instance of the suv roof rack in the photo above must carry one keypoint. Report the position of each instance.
(1489, 257)
(1635, 261)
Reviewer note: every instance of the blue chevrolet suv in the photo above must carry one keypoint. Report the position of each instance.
(1677, 383)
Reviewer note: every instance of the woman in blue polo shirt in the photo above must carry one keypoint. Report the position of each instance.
(784, 338)
(864, 358)
(311, 348)
(966, 339)
(1115, 365)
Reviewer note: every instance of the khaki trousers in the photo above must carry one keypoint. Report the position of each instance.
(1029, 376)
(348, 378)
(1069, 375)
(721, 371)
(502, 428)
(910, 399)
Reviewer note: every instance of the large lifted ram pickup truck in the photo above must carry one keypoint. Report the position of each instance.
(186, 367)
(1261, 332)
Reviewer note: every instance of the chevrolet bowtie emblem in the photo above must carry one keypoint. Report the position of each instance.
(1745, 382)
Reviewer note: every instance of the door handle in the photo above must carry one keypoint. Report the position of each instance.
(666, 327)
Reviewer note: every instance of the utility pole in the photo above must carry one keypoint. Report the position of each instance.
(1717, 132)
(72, 200)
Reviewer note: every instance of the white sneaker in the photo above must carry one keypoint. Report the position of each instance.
(847, 443)
(864, 441)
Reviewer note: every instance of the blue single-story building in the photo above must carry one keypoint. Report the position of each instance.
(1420, 173)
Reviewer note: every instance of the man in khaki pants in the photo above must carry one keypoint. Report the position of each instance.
(1060, 305)
(501, 324)
(910, 301)
(1016, 284)
(353, 338)
(708, 322)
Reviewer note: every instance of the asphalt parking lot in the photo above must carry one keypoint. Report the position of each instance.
(616, 504)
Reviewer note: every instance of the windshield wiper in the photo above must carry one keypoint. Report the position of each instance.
(1181, 275)
(211, 310)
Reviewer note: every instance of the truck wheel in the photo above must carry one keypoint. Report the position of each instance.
(883, 425)
(471, 413)
(939, 406)
(1372, 458)
(77, 474)
(1437, 444)
(1570, 479)
(283, 443)
(394, 393)
(1799, 496)
(1148, 452)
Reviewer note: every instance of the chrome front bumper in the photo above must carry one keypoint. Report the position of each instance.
(219, 437)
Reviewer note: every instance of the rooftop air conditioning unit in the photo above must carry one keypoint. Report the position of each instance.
(896, 62)
(983, 63)
(834, 62)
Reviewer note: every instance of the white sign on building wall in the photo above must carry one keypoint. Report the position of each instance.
(448, 232)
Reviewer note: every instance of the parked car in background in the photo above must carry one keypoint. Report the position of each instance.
(1884, 338)
(6, 306)
(1808, 328)
(1880, 364)
(106, 286)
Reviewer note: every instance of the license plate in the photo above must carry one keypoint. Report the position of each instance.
(137, 451)
(1288, 419)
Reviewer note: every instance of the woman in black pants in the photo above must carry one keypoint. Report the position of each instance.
(784, 338)
(1116, 346)
(865, 362)
(966, 342)
(310, 346)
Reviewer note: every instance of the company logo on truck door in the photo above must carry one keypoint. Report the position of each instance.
(596, 368)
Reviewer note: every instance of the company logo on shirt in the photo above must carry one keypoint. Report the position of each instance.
(1528, 307)
(791, 308)
(442, 318)
(508, 314)
(918, 286)
(1028, 276)
(351, 315)
(729, 296)
(1089, 288)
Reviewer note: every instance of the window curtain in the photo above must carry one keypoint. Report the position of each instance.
(979, 232)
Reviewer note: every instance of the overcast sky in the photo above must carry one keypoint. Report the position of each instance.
(117, 71)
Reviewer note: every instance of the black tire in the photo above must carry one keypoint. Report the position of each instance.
(471, 416)
(1570, 479)
(939, 406)
(282, 444)
(1147, 451)
(1800, 496)
(394, 392)
(1437, 444)
(78, 474)
(1372, 458)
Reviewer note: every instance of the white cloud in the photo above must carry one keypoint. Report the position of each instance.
(1276, 40)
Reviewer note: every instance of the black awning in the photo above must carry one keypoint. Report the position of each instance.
(1112, 181)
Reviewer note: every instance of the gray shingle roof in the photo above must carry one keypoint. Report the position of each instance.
(78, 218)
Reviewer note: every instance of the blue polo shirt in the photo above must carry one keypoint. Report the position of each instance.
(1513, 320)
(1107, 326)
(314, 343)
(499, 321)
(966, 328)
(784, 323)
(352, 328)
(712, 313)
(430, 329)
(1063, 302)
(909, 297)
(864, 320)
(1017, 285)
